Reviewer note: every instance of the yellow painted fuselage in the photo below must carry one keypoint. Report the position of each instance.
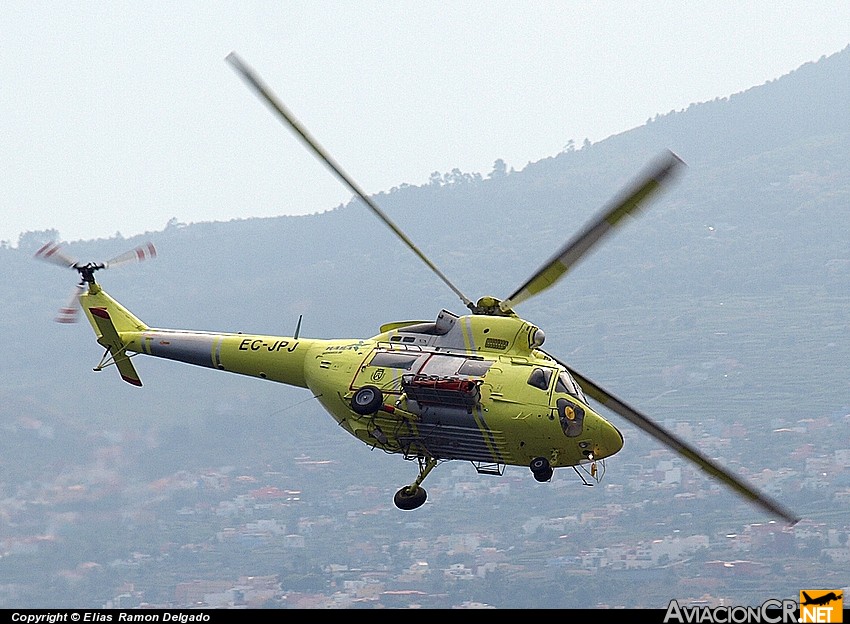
(473, 387)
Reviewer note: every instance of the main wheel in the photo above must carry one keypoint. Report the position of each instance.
(403, 499)
(367, 400)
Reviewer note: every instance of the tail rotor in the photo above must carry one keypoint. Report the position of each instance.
(54, 253)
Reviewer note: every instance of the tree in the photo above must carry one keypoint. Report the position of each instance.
(500, 169)
(31, 242)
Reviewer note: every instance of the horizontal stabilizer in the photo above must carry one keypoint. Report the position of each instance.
(110, 339)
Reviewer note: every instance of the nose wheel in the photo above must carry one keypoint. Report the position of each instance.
(414, 495)
(541, 469)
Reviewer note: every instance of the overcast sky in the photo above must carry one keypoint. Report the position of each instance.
(119, 116)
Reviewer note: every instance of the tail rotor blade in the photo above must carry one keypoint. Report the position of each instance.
(53, 253)
(71, 312)
(139, 254)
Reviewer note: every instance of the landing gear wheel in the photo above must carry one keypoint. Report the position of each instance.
(367, 400)
(403, 499)
(541, 469)
(543, 477)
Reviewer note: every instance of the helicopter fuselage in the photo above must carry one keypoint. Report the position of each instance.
(472, 387)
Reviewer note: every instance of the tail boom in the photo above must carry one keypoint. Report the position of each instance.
(274, 358)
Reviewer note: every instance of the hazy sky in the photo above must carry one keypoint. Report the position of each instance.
(118, 116)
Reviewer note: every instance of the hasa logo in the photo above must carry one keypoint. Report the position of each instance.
(821, 605)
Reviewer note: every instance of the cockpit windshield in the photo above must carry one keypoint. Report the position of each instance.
(567, 384)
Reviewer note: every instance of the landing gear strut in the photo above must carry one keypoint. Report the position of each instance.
(414, 495)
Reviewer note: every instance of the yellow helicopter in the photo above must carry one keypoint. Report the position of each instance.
(476, 387)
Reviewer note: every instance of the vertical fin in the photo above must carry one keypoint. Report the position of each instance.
(110, 339)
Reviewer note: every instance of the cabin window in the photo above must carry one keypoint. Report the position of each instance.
(451, 365)
(540, 378)
(475, 368)
(390, 359)
(442, 365)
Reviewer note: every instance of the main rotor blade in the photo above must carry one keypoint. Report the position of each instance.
(577, 247)
(678, 445)
(252, 79)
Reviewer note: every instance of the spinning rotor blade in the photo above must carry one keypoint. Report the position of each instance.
(252, 79)
(52, 252)
(576, 248)
(679, 446)
(139, 254)
(71, 312)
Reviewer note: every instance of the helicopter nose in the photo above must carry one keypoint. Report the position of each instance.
(608, 441)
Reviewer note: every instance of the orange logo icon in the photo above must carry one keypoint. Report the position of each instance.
(821, 606)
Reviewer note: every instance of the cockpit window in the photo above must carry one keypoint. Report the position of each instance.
(540, 378)
(571, 417)
(567, 384)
